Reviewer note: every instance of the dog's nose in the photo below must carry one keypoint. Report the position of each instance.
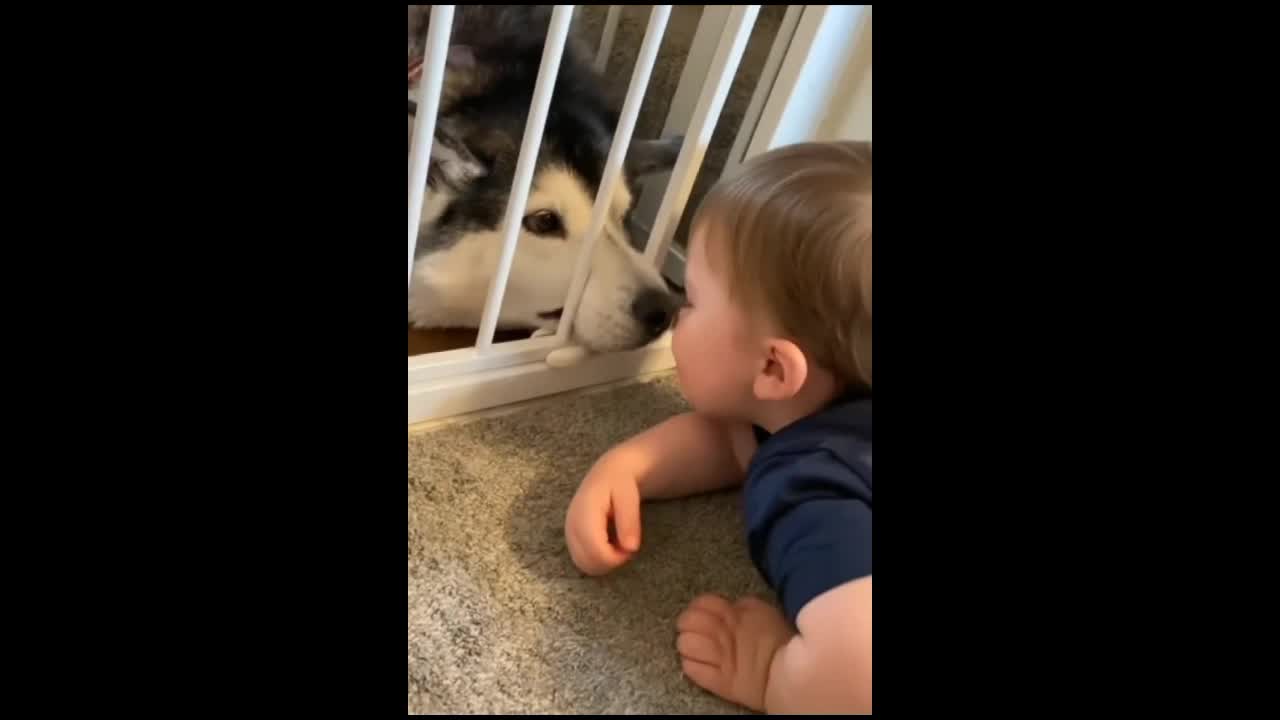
(653, 309)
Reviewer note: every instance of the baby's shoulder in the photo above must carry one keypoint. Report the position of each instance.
(832, 446)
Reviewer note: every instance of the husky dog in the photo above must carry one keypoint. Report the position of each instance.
(493, 60)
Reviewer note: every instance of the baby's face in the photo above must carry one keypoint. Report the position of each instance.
(715, 348)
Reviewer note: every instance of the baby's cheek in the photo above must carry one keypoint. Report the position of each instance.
(680, 341)
(684, 357)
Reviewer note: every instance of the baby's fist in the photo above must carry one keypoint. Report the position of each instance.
(608, 493)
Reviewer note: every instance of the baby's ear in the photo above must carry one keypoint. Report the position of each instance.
(783, 372)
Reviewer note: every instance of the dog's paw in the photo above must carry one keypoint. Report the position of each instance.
(543, 332)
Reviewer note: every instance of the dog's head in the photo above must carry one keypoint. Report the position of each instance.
(484, 105)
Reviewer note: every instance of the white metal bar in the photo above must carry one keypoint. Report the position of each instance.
(606, 38)
(424, 127)
(613, 166)
(764, 88)
(482, 390)
(693, 77)
(733, 42)
(552, 51)
(447, 363)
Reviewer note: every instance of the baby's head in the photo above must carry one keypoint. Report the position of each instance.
(779, 281)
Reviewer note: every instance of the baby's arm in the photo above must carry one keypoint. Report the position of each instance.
(686, 455)
(826, 668)
(817, 554)
(747, 653)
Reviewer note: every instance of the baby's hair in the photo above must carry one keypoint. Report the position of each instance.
(790, 234)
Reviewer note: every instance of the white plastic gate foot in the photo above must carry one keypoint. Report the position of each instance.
(567, 356)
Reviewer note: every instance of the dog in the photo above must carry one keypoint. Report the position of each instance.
(493, 60)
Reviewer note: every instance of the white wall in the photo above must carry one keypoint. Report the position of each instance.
(848, 116)
(823, 89)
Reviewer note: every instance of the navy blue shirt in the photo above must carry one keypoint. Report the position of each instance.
(807, 501)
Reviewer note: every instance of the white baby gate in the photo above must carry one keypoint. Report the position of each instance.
(789, 103)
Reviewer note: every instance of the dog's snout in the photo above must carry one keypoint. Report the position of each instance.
(653, 310)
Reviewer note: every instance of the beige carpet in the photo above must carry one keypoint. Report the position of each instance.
(500, 621)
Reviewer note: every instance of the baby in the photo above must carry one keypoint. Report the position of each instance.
(773, 352)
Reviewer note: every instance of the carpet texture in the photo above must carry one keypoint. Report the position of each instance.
(500, 620)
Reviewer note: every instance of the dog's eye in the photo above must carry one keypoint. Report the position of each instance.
(544, 222)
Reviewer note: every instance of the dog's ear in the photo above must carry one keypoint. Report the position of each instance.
(451, 159)
(645, 157)
(419, 19)
(463, 77)
(460, 77)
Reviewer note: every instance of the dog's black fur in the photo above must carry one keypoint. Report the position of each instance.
(495, 54)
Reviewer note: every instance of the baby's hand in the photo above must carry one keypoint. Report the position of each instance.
(608, 493)
(728, 649)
